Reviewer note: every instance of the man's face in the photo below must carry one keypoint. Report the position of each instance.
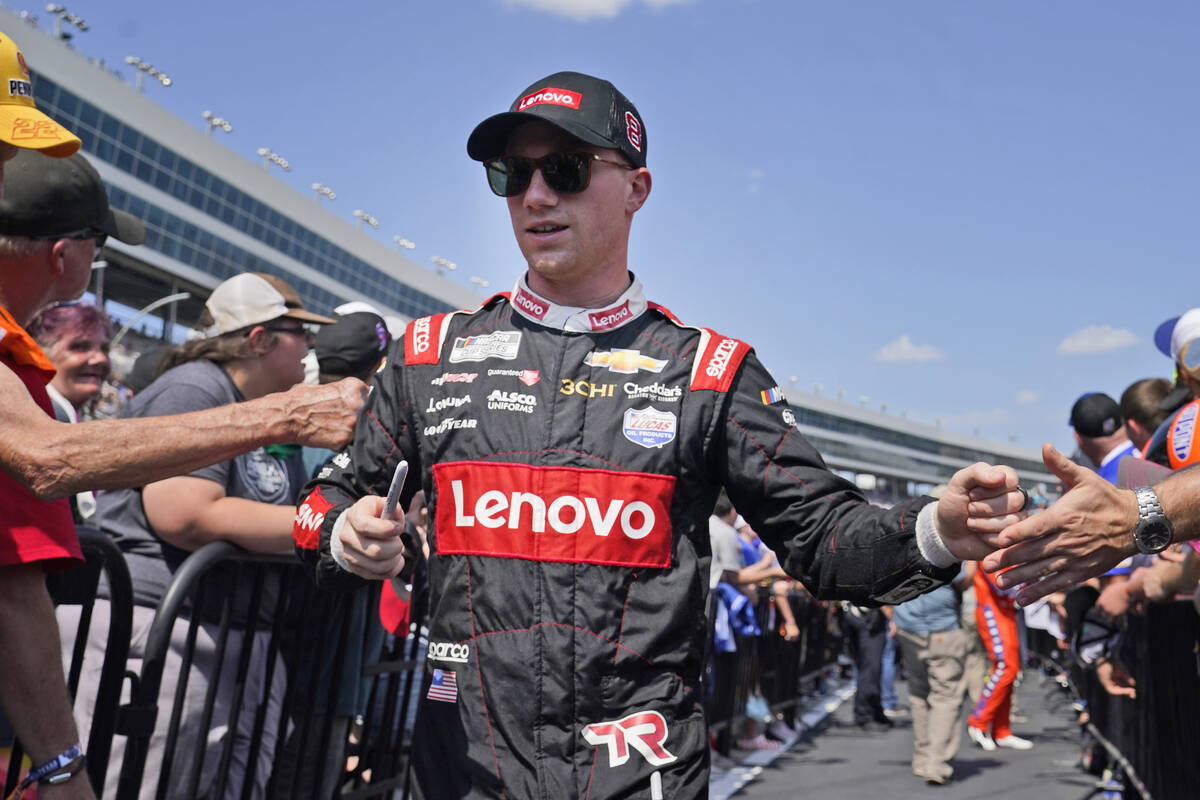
(570, 237)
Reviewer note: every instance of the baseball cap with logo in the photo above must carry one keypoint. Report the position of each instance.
(353, 344)
(47, 197)
(1095, 414)
(253, 298)
(21, 124)
(590, 109)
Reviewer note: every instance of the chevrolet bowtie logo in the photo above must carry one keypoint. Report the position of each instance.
(626, 362)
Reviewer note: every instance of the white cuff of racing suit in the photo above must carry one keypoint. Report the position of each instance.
(335, 542)
(929, 540)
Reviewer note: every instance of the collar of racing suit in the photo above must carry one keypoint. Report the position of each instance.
(626, 308)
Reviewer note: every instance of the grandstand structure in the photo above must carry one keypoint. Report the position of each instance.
(210, 214)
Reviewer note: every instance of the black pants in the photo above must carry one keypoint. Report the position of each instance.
(869, 640)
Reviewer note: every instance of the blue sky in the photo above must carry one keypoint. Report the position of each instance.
(971, 212)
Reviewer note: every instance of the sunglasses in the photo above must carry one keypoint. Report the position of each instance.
(298, 330)
(565, 173)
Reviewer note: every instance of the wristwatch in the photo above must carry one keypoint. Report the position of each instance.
(1153, 531)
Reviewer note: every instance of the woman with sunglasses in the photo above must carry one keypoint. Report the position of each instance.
(255, 345)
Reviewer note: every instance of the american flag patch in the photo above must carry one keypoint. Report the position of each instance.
(772, 395)
(444, 687)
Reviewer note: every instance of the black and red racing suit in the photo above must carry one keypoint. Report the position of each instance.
(570, 459)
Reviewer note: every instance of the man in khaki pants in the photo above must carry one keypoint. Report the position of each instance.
(935, 650)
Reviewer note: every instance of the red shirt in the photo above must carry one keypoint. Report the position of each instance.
(31, 529)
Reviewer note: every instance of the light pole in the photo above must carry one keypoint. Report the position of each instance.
(320, 189)
(144, 68)
(216, 122)
(62, 15)
(269, 157)
(482, 283)
(444, 264)
(363, 216)
(402, 243)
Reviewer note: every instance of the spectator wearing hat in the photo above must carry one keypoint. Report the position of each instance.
(1100, 434)
(1176, 443)
(54, 216)
(255, 346)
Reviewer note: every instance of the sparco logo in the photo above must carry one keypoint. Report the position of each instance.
(448, 651)
(610, 318)
(551, 96)
(535, 309)
(645, 731)
(554, 513)
(421, 335)
(720, 360)
(1181, 433)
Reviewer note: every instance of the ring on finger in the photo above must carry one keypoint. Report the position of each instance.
(1024, 499)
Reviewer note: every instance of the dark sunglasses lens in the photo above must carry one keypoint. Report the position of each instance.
(508, 176)
(566, 173)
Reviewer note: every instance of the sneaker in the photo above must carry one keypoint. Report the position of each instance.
(981, 738)
(895, 713)
(1013, 742)
(759, 742)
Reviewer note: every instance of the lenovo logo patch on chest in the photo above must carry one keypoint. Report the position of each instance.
(560, 514)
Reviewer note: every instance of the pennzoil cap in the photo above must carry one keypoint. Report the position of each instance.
(590, 109)
(21, 123)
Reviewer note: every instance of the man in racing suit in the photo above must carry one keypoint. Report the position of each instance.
(571, 438)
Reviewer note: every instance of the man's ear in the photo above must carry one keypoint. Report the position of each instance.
(639, 190)
(261, 340)
(57, 255)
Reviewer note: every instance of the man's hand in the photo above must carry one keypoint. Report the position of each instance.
(1115, 680)
(371, 547)
(1114, 600)
(1084, 534)
(324, 416)
(978, 503)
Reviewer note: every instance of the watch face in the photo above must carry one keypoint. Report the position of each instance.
(1153, 535)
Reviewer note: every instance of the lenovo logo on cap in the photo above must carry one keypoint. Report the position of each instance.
(564, 514)
(551, 96)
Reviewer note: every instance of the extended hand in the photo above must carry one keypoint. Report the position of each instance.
(1084, 534)
(372, 547)
(324, 416)
(978, 503)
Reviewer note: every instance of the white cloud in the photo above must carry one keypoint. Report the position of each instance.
(754, 179)
(1096, 339)
(586, 10)
(1027, 397)
(903, 349)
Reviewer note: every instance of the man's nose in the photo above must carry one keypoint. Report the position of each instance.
(539, 192)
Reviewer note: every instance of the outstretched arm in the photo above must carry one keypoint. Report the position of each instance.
(1087, 532)
(54, 460)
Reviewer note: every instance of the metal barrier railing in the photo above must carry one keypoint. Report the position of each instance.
(78, 586)
(247, 626)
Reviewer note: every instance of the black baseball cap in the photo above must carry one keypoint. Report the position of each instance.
(1095, 414)
(590, 109)
(46, 197)
(352, 345)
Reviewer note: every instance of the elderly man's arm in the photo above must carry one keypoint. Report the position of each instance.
(55, 460)
(33, 692)
(1088, 531)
